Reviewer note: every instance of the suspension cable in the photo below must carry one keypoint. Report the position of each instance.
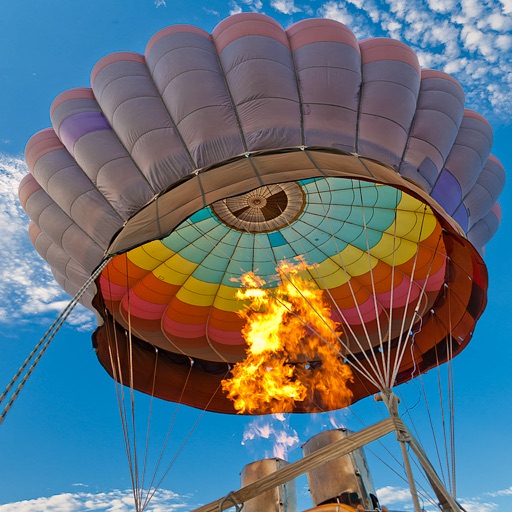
(43, 345)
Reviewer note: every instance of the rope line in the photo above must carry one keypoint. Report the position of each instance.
(43, 345)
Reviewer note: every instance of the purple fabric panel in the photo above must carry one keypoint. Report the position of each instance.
(186, 70)
(469, 152)
(447, 191)
(388, 104)
(74, 192)
(99, 152)
(438, 116)
(483, 230)
(484, 194)
(70, 108)
(130, 100)
(261, 78)
(330, 79)
(76, 126)
(461, 215)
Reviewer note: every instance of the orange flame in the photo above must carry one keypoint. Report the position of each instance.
(293, 353)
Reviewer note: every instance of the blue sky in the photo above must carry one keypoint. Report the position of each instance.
(61, 446)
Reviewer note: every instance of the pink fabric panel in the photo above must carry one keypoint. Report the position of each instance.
(225, 337)
(168, 31)
(319, 30)
(113, 58)
(39, 144)
(28, 186)
(84, 93)
(391, 82)
(243, 24)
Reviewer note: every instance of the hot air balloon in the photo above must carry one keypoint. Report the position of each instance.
(216, 155)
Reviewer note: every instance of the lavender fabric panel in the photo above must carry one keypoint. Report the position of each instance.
(447, 191)
(76, 195)
(76, 126)
(470, 151)
(70, 275)
(261, 79)
(59, 228)
(187, 72)
(330, 79)
(484, 230)
(115, 174)
(482, 197)
(438, 116)
(388, 104)
(129, 97)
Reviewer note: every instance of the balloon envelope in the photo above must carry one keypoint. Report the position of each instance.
(215, 155)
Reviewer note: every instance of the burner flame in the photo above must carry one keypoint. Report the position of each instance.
(293, 351)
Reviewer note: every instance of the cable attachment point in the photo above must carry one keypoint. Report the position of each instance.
(230, 499)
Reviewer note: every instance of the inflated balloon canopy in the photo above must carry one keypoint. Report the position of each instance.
(216, 155)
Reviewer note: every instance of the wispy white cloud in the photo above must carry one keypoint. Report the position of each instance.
(477, 505)
(113, 501)
(502, 492)
(235, 9)
(285, 6)
(469, 39)
(160, 3)
(29, 289)
(276, 430)
(390, 495)
(401, 497)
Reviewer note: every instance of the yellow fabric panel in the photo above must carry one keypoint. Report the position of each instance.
(412, 218)
(197, 293)
(176, 270)
(226, 299)
(149, 256)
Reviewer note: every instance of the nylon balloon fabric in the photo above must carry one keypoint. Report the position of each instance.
(214, 155)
